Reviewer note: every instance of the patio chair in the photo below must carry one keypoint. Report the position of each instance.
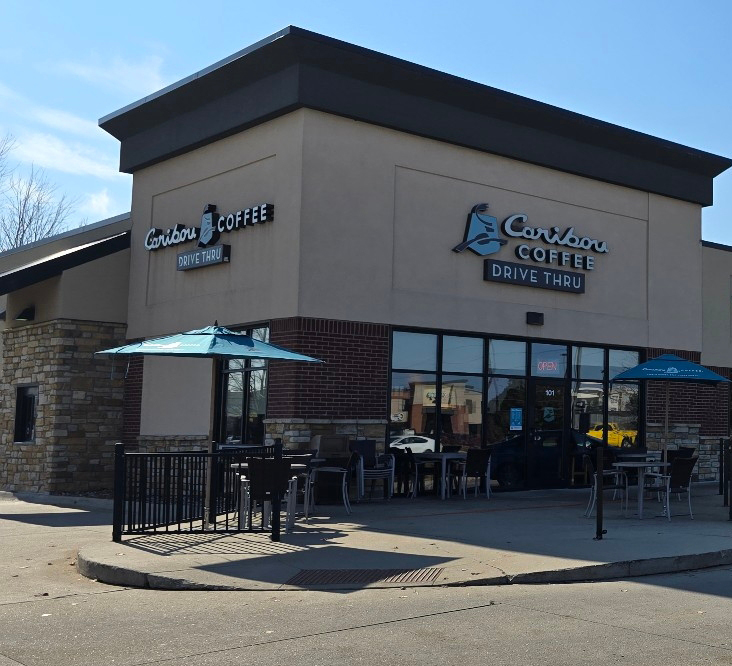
(477, 465)
(612, 479)
(372, 467)
(344, 471)
(678, 480)
(405, 471)
(265, 478)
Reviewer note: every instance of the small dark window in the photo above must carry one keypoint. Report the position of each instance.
(25, 413)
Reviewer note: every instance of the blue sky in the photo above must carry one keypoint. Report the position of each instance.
(660, 67)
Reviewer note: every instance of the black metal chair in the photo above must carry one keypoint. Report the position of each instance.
(476, 465)
(612, 479)
(678, 480)
(267, 478)
(345, 471)
(406, 472)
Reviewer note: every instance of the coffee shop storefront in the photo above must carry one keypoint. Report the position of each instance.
(473, 267)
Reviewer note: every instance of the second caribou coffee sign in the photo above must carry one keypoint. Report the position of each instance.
(542, 267)
(213, 225)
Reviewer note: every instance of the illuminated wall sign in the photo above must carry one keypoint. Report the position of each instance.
(484, 236)
(212, 226)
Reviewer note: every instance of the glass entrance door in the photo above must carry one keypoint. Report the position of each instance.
(546, 434)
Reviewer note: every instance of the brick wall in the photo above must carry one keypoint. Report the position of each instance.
(706, 405)
(132, 408)
(698, 415)
(351, 384)
(79, 412)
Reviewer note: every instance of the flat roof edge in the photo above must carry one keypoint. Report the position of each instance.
(67, 234)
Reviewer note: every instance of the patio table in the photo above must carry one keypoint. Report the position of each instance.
(444, 458)
(641, 466)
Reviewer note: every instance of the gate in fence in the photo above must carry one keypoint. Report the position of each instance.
(187, 492)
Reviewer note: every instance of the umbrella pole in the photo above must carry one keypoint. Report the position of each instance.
(665, 437)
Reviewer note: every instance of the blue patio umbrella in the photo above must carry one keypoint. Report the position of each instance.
(210, 342)
(670, 368)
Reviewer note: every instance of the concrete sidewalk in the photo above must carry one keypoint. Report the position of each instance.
(524, 537)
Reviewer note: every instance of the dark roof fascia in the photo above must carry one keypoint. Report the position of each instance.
(717, 246)
(295, 68)
(25, 276)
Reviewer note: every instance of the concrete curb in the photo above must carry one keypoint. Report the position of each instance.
(126, 577)
(72, 501)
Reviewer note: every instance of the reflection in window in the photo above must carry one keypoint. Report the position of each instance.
(413, 404)
(462, 354)
(588, 403)
(414, 351)
(461, 410)
(507, 357)
(505, 408)
(623, 414)
(244, 397)
(588, 363)
(548, 360)
(621, 360)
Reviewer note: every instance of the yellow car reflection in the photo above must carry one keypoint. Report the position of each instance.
(615, 435)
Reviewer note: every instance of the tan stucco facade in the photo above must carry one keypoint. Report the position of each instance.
(365, 220)
(717, 291)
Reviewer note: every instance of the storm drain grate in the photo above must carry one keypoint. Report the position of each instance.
(363, 576)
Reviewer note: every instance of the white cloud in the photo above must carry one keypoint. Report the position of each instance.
(97, 204)
(64, 121)
(50, 152)
(139, 78)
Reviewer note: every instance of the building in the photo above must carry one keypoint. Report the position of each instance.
(472, 265)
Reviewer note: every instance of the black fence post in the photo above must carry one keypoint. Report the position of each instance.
(599, 468)
(721, 467)
(118, 507)
(209, 509)
(728, 475)
(276, 499)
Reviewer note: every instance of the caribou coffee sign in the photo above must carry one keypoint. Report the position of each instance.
(541, 266)
(213, 225)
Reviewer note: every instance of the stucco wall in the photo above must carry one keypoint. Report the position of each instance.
(261, 165)
(717, 302)
(382, 211)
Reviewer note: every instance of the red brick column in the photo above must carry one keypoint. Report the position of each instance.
(351, 384)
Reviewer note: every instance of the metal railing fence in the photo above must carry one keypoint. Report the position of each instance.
(195, 491)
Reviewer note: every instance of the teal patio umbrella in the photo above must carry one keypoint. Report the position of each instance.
(670, 368)
(210, 342)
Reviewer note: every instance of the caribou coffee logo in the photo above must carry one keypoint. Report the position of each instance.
(212, 226)
(484, 236)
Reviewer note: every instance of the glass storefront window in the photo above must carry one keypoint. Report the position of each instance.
(461, 354)
(414, 351)
(413, 404)
(623, 407)
(243, 405)
(588, 363)
(505, 408)
(507, 357)
(461, 411)
(548, 360)
(588, 405)
(621, 360)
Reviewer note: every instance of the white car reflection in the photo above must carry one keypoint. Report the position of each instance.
(417, 443)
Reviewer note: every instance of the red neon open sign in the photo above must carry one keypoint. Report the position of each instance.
(547, 366)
